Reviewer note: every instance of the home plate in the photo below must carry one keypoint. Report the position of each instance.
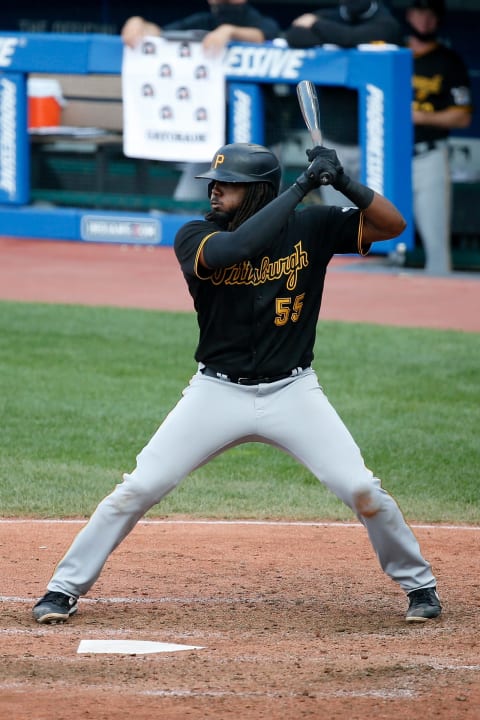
(130, 647)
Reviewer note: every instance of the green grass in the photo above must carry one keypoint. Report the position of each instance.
(82, 390)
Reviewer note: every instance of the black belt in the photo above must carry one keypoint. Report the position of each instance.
(209, 372)
(422, 147)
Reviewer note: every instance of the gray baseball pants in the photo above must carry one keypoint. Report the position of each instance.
(213, 415)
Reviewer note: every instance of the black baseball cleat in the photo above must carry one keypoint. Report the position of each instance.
(54, 607)
(424, 605)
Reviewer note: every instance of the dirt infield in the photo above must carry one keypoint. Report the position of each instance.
(295, 620)
(356, 289)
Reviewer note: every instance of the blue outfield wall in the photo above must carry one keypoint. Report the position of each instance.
(380, 74)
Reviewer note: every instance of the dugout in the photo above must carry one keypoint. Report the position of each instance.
(384, 91)
(93, 174)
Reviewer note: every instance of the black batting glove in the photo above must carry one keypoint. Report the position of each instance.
(324, 169)
(318, 172)
(327, 154)
(306, 182)
(325, 164)
(359, 194)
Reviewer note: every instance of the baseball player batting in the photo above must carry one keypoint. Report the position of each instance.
(255, 268)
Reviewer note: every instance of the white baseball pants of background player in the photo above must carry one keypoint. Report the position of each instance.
(432, 207)
(213, 415)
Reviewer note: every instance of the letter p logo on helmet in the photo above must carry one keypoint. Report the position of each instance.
(219, 160)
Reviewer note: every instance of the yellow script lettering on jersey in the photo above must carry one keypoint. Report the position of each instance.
(245, 274)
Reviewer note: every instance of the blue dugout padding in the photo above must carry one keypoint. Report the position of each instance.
(380, 74)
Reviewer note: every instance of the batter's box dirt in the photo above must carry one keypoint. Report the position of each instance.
(295, 621)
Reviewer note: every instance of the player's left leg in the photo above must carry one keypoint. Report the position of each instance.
(301, 420)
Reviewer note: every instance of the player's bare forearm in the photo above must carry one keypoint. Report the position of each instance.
(381, 221)
(449, 119)
(215, 41)
(247, 34)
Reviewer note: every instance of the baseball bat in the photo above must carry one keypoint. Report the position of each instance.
(308, 101)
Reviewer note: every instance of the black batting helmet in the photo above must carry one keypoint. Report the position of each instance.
(244, 163)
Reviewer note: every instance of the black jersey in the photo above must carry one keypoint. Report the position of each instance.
(333, 27)
(440, 81)
(258, 317)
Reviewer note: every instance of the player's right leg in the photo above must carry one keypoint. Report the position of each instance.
(211, 416)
